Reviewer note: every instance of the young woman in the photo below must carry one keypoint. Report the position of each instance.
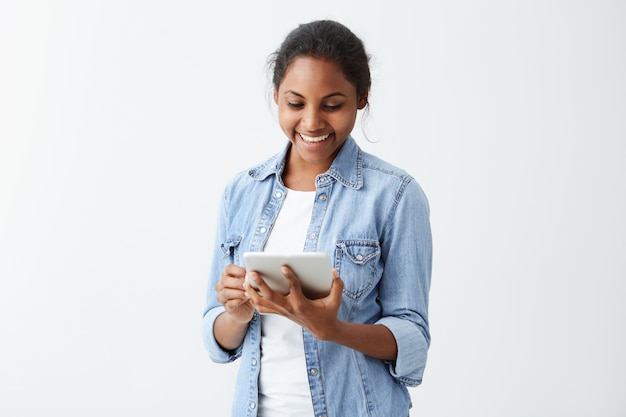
(354, 352)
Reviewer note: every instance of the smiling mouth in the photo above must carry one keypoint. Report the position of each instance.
(313, 139)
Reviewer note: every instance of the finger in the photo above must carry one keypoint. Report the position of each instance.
(262, 288)
(263, 298)
(292, 280)
(234, 271)
(233, 283)
(233, 304)
(250, 290)
(337, 286)
(225, 295)
(232, 277)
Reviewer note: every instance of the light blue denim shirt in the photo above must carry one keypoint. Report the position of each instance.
(373, 219)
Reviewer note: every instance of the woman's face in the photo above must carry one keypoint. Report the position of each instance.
(317, 109)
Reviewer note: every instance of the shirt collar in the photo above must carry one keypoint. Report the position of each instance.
(347, 168)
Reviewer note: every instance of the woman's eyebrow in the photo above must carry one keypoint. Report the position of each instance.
(337, 93)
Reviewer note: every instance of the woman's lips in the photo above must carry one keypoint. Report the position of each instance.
(313, 139)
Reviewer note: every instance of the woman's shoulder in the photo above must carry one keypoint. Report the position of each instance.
(378, 169)
(376, 166)
(245, 178)
(260, 171)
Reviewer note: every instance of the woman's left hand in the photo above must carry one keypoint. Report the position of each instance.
(317, 316)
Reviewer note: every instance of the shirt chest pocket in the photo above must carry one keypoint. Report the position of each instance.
(356, 261)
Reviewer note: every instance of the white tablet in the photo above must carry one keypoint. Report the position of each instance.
(313, 269)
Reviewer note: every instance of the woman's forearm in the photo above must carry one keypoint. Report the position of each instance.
(373, 340)
(228, 332)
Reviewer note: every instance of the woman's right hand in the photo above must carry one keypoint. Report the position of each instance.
(231, 294)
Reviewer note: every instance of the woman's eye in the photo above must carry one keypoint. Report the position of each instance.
(295, 105)
(332, 107)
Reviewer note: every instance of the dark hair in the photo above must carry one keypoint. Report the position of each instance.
(329, 40)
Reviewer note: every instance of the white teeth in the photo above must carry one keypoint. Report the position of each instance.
(316, 139)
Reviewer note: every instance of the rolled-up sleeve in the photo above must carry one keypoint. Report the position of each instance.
(212, 307)
(409, 366)
(405, 285)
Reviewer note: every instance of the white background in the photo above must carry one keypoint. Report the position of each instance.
(121, 121)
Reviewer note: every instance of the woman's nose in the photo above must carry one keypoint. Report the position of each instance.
(313, 120)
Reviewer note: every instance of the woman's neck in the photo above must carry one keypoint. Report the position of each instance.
(298, 180)
(300, 176)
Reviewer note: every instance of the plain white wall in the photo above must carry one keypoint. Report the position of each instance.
(121, 121)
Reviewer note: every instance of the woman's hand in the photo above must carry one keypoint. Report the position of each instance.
(230, 327)
(230, 293)
(320, 316)
(317, 316)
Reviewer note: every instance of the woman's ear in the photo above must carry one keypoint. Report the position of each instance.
(362, 101)
(275, 95)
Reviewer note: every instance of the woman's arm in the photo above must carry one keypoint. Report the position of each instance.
(320, 316)
(371, 339)
(231, 326)
(229, 332)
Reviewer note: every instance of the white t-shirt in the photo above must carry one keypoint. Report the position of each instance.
(283, 380)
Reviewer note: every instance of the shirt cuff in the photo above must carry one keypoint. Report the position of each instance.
(408, 368)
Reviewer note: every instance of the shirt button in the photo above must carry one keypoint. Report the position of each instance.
(323, 179)
(359, 257)
(263, 230)
(314, 372)
(252, 405)
(312, 235)
(323, 197)
(254, 362)
(279, 194)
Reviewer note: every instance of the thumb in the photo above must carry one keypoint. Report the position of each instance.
(337, 286)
